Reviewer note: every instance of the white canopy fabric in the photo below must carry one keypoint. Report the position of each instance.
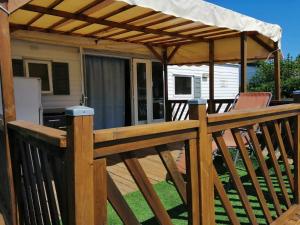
(210, 14)
(198, 23)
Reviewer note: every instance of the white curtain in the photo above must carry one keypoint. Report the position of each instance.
(105, 89)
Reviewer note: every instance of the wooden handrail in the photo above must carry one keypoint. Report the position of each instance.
(49, 135)
(142, 130)
(233, 115)
(242, 118)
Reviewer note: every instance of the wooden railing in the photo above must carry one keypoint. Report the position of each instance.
(127, 141)
(38, 156)
(179, 109)
(62, 178)
(273, 124)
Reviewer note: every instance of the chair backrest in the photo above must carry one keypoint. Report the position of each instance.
(252, 100)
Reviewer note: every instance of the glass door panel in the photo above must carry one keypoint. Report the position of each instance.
(148, 87)
(158, 91)
(142, 91)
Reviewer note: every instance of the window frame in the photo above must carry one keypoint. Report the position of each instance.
(192, 86)
(49, 64)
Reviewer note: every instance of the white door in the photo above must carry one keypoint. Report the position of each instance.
(148, 93)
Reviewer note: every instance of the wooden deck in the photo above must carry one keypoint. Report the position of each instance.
(151, 164)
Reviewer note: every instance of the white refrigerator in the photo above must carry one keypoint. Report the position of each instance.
(27, 99)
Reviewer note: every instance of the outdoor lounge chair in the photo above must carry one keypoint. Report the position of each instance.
(243, 101)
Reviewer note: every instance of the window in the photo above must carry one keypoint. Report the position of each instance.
(42, 70)
(183, 85)
(18, 68)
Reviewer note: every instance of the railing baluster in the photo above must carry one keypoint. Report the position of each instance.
(225, 200)
(40, 185)
(264, 169)
(235, 177)
(27, 185)
(170, 165)
(283, 154)
(119, 204)
(251, 171)
(274, 161)
(146, 188)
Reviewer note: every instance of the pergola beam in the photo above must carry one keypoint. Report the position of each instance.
(155, 53)
(91, 20)
(8, 100)
(243, 87)
(259, 41)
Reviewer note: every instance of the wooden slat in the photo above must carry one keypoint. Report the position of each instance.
(51, 194)
(58, 166)
(264, 169)
(143, 143)
(119, 204)
(142, 130)
(225, 200)
(146, 188)
(100, 192)
(192, 182)
(251, 172)
(275, 163)
(288, 132)
(23, 207)
(282, 150)
(170, 164)
(285, 216)
(27, 184)
(235, 177)
(40, 185)
(297, 159)
(46, 134)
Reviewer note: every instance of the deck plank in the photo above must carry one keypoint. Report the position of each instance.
(150, 162)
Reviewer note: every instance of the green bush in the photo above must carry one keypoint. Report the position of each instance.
(263, 80)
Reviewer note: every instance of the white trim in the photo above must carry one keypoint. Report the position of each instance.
(48, 63)
(184, 96)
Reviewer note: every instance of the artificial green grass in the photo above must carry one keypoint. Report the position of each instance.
(178, 211)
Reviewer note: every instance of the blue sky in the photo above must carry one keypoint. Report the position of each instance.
(284, 13)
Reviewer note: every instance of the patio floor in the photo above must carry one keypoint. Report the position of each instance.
(151, 164)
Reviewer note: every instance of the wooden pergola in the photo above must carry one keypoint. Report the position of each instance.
(170, 38)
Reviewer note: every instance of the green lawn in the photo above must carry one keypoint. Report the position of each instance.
(178, 212)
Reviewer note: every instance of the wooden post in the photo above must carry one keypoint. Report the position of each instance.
(79, 162)
(167, 105)
(211, 106)
(297, 159)
(277, 72)
(205, 163)
(8, 99)
(243, 87)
